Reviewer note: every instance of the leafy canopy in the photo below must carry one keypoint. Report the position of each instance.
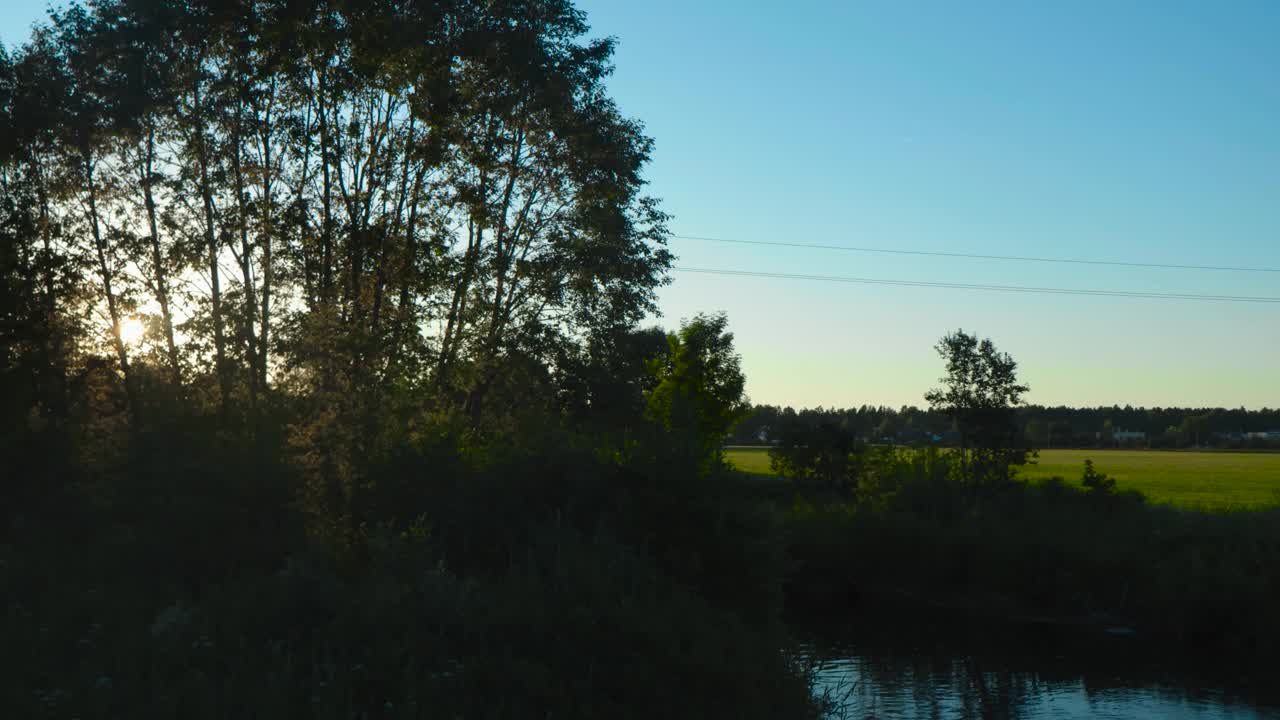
(980, 393)
(699, 391)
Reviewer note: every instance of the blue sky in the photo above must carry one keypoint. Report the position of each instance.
(1142, 131)
(1128, 131)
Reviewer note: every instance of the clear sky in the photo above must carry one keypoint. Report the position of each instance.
(1138, 131)
(1115, 130)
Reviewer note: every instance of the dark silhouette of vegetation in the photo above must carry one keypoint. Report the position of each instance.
(825, 454)
(1047, 553)
(699, 390)
(323, 393)
(980, 394)
(1043, 427)
(954, 529)
(1095, 482)
(322, 386)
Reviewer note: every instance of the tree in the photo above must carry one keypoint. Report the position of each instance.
(824, 452)
(1193, 428)
(981, 393)
(887, 429)
(604, 385)
(1096, 482)
(415, 195)
(699, 391)
(347, 218)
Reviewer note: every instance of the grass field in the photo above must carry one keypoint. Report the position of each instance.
(1197, 480)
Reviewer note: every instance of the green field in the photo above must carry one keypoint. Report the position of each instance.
(1200, 480)
(752, 460)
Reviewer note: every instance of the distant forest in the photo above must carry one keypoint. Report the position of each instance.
(1044, 427)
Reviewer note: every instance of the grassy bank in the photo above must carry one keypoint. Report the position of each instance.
(1041, 552)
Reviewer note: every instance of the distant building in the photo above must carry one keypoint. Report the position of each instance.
(1266, 435)
(1128, 436)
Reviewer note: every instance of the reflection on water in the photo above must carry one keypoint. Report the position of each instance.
(910, 669)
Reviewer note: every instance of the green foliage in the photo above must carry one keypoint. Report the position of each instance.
(699, 391)
(1048, 550)
(981, 393)
(391, 444)
(288, 197)
(1095, 482)
(822, 454)
(604, 385)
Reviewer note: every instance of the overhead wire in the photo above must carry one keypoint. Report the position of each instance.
(1135, 294)
(978, 256)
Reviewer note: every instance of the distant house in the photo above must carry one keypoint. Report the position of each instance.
(1266, 435)
(1128, 438)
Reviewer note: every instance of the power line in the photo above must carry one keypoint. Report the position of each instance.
(975, 256)
(999, 288)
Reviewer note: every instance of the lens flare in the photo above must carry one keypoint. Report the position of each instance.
(131, 331)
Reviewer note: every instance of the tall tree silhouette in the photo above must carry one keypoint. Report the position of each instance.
(337, 197)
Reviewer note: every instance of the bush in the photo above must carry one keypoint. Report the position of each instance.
(575, 627)
(1204, 580)
(485, 580)
(1095, 482)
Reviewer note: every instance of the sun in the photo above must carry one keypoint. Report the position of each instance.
(131, 331)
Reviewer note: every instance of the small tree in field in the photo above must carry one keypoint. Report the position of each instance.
(1097, 483)
(981, 393)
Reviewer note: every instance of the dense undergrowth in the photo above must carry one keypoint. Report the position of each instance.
(534, 577)
(1205, 581)
(552, 573)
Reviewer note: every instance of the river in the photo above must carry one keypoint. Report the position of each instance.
(886, 666)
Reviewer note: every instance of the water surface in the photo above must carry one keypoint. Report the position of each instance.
(883, 667)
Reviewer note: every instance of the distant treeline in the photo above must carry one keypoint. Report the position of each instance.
(1045, 427)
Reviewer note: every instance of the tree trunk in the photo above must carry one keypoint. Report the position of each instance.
(57, 364)
(246, 258)
(113, 306)
(404, 314)
(381, 282)
(326, 261)
(211, 247)
(268, 272)
(458, 305)
(157, 259)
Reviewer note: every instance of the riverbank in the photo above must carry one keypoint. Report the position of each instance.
(1047, 554)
